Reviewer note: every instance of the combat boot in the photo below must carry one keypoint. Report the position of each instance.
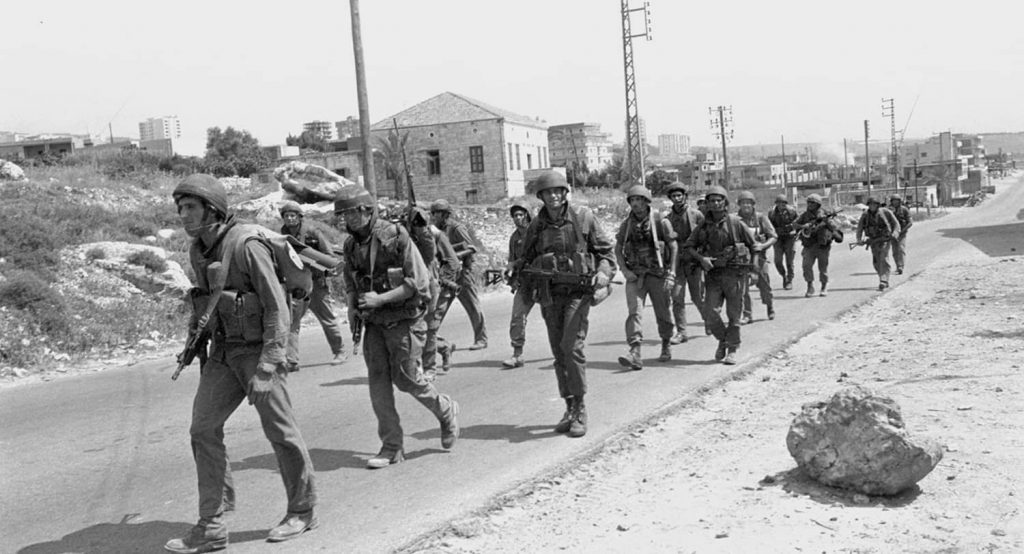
(205, 536)
(516, 360)
(823, 291)
(680, 337)
(578, 425)
(730, 357)
(720, 351)
(666, 351)
(446, 356)
(771, 310)
(632, 360)
(566, 422)
(810, 290)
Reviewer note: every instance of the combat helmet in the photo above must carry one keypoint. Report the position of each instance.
(522, 207)
(290, 206)
(638, 190)
(205, 187)
(719, 190)
(815, 198)
(674, 187)
(873, 200)
(352, 197)
(441, 205)
(550, 180)
(782, 198)
(896, 196)
(746, 195)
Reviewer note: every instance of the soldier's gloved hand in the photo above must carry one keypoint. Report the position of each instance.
(261, 384)
(369, 301)
(706, 263)
(629, 275)
(601, 280)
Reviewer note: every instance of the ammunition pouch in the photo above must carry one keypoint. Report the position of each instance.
(241, 316)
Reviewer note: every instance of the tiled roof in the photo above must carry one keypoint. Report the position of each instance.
(449, 107)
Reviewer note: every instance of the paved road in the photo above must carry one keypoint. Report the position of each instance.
(101, 462)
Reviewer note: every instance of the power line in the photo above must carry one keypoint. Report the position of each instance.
(634, 162)
(721, 124)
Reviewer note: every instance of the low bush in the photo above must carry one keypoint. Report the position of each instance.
(95, 253)
(149, 260)
(41, 306)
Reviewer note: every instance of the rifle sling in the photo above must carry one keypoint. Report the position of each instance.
(220, 280)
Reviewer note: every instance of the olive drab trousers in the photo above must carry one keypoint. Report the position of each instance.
(784, 251)
(819, 255)
(319, 302)
(568, 320)
(392, 355)
(899, 251)
(648, 284)
(880, 260)
(725, 286)
(761, 279)
(522, 304)
(222, 388)
(470, 300)
(688, 276)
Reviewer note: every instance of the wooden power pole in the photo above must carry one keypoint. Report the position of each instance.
(364, 106)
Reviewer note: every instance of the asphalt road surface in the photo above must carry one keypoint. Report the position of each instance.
(101, 462)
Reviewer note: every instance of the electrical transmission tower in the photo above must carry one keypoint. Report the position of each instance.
(888, 110)
(721, 124)
(633, 169)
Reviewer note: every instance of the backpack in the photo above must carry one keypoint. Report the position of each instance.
(293, 260)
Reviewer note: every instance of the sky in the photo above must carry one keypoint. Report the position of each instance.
(810, 71)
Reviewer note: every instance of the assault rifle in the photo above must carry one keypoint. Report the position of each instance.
(493, 276)
(408, 179)
(195, 347)
(542, 279)
(807, 230)
(356, 322)
(867, 244)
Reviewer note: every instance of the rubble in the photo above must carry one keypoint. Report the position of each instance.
(857, 440)
(9, 171)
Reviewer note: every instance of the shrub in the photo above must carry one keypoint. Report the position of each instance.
(149, 260)
(28, 292)
(95, 253)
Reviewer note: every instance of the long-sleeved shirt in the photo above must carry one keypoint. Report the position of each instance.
(881, 223)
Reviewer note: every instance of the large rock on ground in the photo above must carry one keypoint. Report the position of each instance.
(856, 440)
(114, 259)
(10, 171)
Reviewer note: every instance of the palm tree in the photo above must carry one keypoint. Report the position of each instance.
(393, 157)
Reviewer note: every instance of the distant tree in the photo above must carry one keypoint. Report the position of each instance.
(611, 174)
(308, 140)
(389, 153)
(233, 152)
(658, 180)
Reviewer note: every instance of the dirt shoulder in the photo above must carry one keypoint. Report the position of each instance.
(947, 345)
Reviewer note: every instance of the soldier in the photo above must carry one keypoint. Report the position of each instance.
(689, 274)
(817, 232)
(568, 260)
(235, 271)
(444, 268)
(388, 285)
(647, 252)
(881, 227)
(764, 232)
(722, 245)
(782, 217)
(523, 301)
(319, 300)
(468, 295)
(899, 243)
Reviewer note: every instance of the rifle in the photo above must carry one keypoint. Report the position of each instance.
(408, 178)
(548, 277)
(493, 276)
(195, 347)
(870, 242)
(357, 332)
(807, 230)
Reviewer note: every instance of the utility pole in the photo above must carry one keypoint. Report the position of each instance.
(867, 157)
(634, 163)
(721, 124)
(888, 110)
(364, 106)
(846, 159)
(785, 186)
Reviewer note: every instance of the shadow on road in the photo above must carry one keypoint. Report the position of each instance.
(125, 537)
(993, 240)
(347, 382)
(797, 481)
(498, 431)
(323, 460)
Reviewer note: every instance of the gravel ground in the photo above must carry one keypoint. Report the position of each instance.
(714, 475)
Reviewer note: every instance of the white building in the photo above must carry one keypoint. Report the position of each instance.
(673, 145)
(322, 129)
(155, 128)
(576, 144)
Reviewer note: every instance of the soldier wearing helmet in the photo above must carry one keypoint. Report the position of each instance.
(522, 300)
(782, 217)
(319, 299)
(566, 242)
(722, 245)
(388, 285)
(444, 267)
(647, 252)
(764, 232)
(685, 219)
(468, 293)
(817, 231)
(899, 242)
(235, 273)
(880, 226)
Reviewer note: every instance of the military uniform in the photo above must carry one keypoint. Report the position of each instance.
(444, 269)
(764, 231)
(899, 241)
(638, 250)
(881, 227)
(522, 300)
(689, 274)
(784, 249)
(817, 245)
(319, 300)
(727, 242)
(468, 293)
(380, 259)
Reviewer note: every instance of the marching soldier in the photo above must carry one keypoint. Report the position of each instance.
(319, 300)
(568, 260)
(523, 301)
(899, 243)
(782, 217)
(235, 270)
(689, 275)
(468, 294)
(764, 232)
(722, 245)
(388, 285)
(647, 252)
(817, 231)
(881, 227)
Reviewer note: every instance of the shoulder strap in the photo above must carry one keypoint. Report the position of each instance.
(219, 280)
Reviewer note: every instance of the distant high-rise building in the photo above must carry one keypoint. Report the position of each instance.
(322, 129)
(673, 145)
(579, 143)
(154, 128)
(348, 128)
(643, 134)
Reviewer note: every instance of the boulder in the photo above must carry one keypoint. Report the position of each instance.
(856, 440)
(10, 171)
(114, 260)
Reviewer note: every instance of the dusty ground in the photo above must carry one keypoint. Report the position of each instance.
(714, 475)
